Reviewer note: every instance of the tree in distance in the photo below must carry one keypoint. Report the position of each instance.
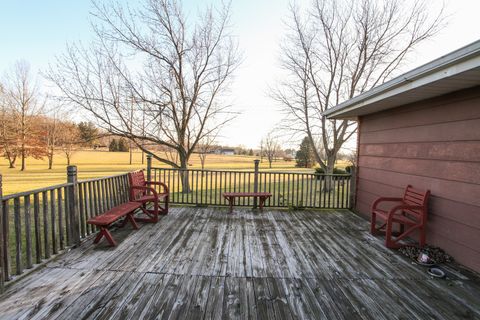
(113, 146)
(305, 157)
(122, 145)
(21, 109)
(88, 133)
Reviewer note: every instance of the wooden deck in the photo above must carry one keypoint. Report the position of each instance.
(202, 263)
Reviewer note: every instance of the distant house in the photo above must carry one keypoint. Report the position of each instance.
(225, 151)
(423, 128)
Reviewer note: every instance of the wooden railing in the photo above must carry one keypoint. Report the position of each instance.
(289, 189)
(38, 224)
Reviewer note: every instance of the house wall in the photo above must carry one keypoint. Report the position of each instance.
(433, 144)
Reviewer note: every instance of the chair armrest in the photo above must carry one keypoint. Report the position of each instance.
(402, 207)
(152, 190)
(157, 183)
(385, 199)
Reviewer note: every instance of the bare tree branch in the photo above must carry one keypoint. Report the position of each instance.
(175, 71)
(335, 50)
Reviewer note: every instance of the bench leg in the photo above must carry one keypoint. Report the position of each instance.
(105, 233)
(262, 200)
(130, 218)
(230, 203)
(99, 236)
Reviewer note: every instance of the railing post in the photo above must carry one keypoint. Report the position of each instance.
(2, 267)
(73, 212)
(353, 186)
(255, 181)
(149, 167)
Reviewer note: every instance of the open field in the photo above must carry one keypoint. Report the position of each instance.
(93, 164)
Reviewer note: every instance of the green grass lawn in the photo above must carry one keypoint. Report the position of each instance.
(92, 164)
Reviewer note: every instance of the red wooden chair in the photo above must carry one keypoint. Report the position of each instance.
(410, 212)
(143, 192)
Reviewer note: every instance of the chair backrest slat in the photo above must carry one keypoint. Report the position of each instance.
(416, 197)
(136, 179)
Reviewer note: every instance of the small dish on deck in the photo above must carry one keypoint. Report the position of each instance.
(436, 272)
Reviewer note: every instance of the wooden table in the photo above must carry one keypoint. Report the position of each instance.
(262, 196)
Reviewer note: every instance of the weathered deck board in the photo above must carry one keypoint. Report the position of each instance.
(203, 263)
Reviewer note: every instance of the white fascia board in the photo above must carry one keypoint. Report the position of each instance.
(451, 65)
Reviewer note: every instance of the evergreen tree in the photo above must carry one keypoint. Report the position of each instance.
(250, 153)
(88, 133)
(123, 145)
(305, 157)
(113, 146)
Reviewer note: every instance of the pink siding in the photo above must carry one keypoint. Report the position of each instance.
(433, 144)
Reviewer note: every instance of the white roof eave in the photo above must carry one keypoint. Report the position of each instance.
(455, 66)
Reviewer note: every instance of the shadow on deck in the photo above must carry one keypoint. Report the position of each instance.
(202, 263)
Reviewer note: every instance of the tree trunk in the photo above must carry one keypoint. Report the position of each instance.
(11, 162)
(202, 163)
(184, 174)
(330, 165)
(50, 162)
(24, 137)
(130, 149)
(23, 159)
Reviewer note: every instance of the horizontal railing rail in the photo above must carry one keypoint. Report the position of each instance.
(288, 189)
(38, 224)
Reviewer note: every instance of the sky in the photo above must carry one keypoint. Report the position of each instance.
(37, 31)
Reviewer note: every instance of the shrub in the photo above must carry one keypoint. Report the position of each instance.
(123, 145)
(319, 172)
(113, 146)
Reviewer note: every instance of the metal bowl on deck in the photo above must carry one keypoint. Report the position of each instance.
(436, 272)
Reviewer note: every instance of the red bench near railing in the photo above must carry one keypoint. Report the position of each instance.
(410, 211)
(262, 196)
(106, 219)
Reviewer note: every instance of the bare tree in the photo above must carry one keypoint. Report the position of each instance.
(22, 102)
(8, 131)
(52, 133)
(271, 147)
(69, 139)
(176, 70)
(352, 157)
(262, 145)
(335, 50)
(205, 147)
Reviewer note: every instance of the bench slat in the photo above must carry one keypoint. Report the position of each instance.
(247, 194)
(114, 214)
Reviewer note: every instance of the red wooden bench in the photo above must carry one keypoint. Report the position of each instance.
(141, 191)
(262, 196)
(410, 211)
(104, 220)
